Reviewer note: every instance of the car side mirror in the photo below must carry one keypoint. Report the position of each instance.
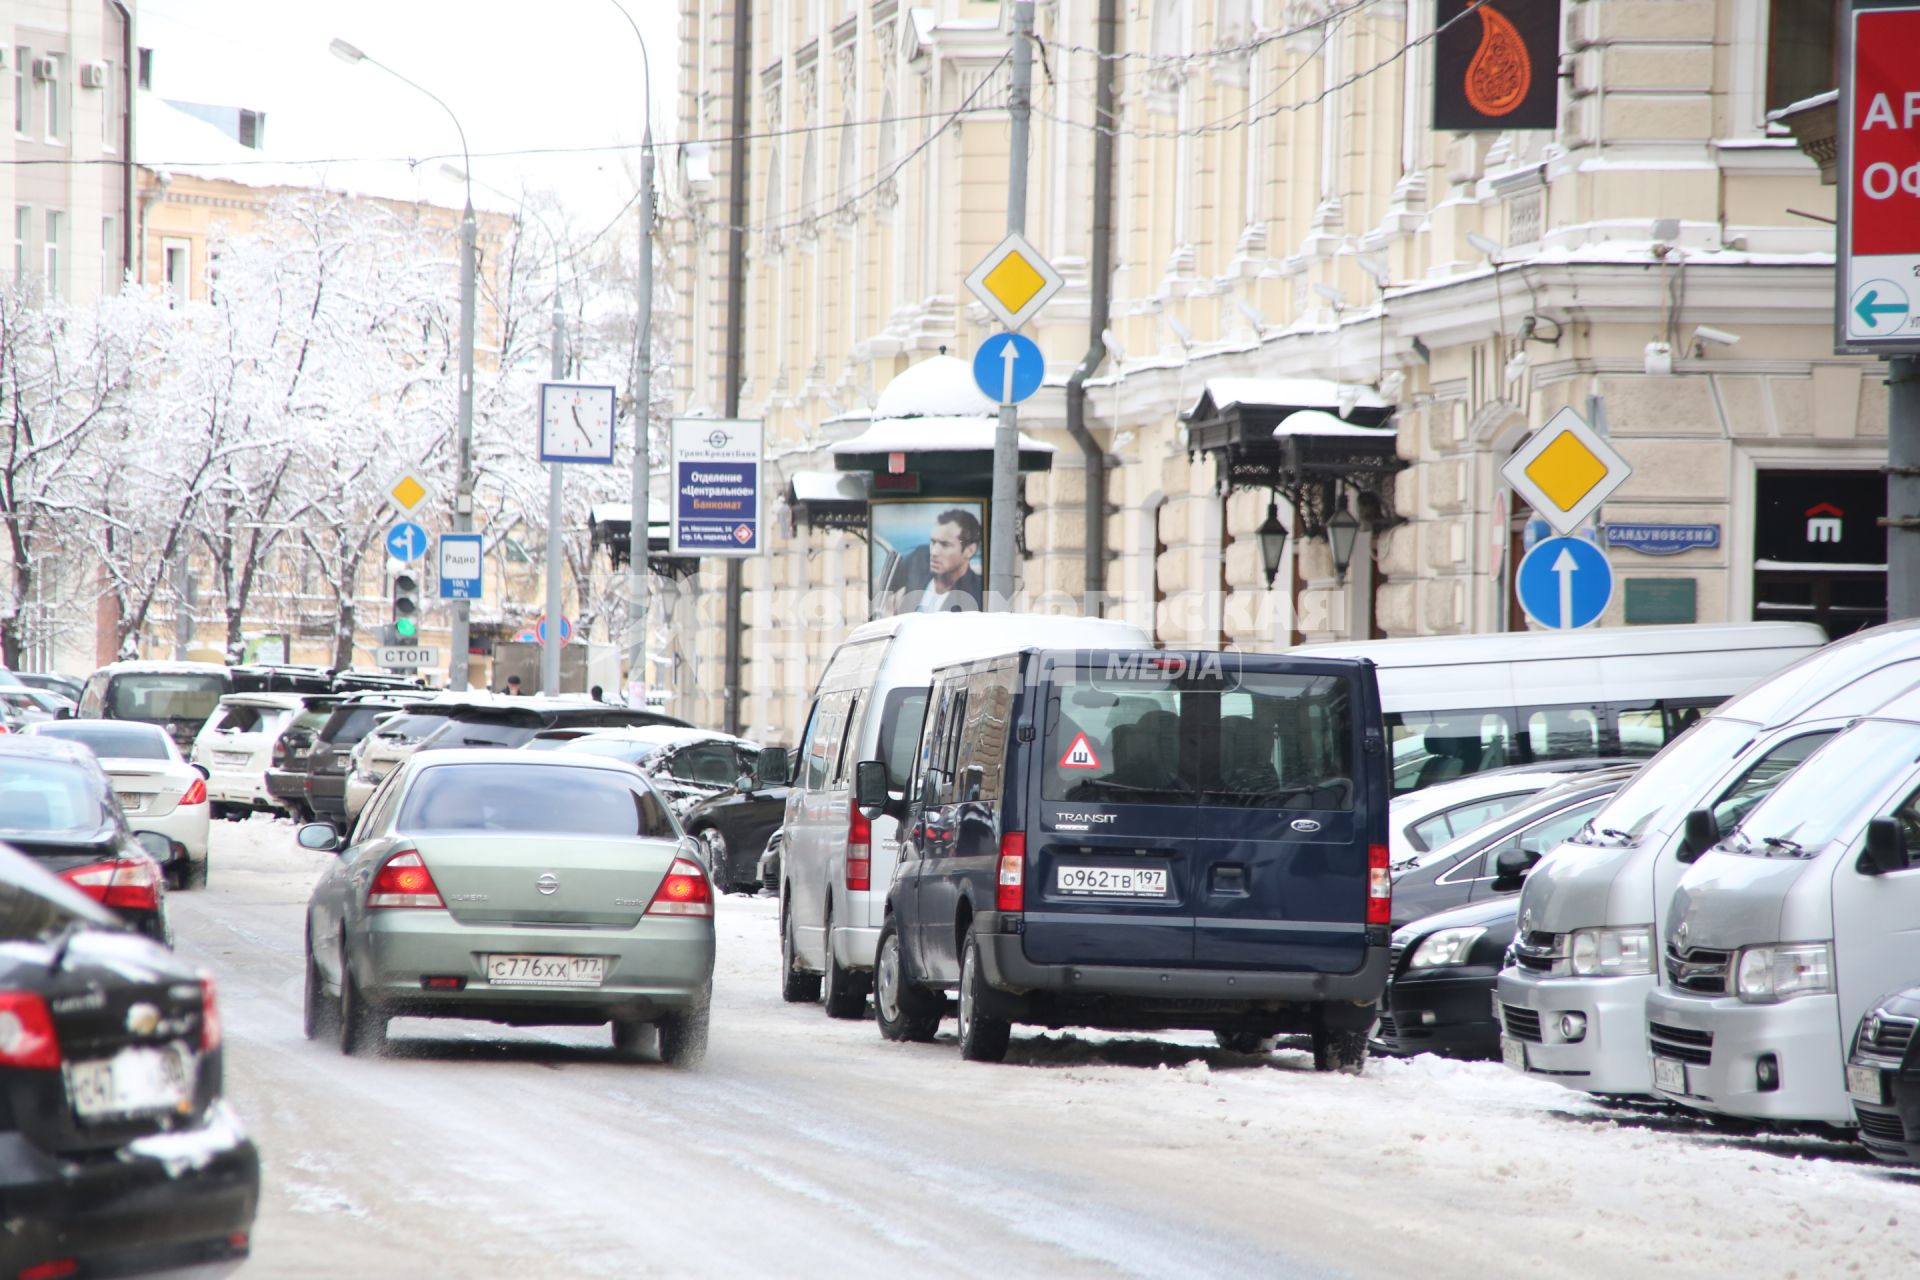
(202, 770)
(157, 845)
(1886, 848)
(870, 787)
(1698, 833)
(318, 836)
(1511, 867)
(773, 768)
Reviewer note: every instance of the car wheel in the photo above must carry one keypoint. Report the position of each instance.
(982, 1038)
(319, 1012)
(629, 1037)
(903, 1008)
(195, 874)
(683, 1036)
(796, 986)
(846, 989)
(363, 1029)
(1342, 1051)
(1244, 1041)
(716, 846)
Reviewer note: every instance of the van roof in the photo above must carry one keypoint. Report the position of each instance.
(1597, 642)
(1853, 676)
(143, 668)
(983, 628)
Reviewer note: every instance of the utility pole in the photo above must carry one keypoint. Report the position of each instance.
(463, 482)
(639, 519)
(1903, 488)
(550, 650)
(1006, 438)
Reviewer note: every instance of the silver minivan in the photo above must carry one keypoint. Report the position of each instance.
(1573, 997)
(869, 706)
(1784, 934)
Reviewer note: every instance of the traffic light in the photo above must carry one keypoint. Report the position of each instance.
(406, 607)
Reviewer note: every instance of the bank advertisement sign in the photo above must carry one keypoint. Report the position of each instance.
(716, 487)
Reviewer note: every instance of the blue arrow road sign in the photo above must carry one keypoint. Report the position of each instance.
(406, 541)
(1008, 368)
(1565, 583)
(1880, 306)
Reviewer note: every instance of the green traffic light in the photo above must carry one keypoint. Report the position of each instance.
(406, 628)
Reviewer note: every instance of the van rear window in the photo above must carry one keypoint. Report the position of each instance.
(1260, 741)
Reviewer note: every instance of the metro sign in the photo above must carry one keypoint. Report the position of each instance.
(1877, 285)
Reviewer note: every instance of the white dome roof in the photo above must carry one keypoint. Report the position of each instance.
(937, 387)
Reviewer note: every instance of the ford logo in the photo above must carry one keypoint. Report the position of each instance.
(1305, 826)
(548, 883)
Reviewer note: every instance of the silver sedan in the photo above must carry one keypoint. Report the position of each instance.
(529, 889)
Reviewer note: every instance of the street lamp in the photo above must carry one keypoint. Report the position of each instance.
(1342, 531)
(1273, 540)
(638, 519)
(457, 661)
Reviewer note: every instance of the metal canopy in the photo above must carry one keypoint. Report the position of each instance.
(1254, 450)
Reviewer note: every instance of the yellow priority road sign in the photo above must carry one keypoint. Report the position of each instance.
(1014, 281)
(1565, 471)
(408, 492)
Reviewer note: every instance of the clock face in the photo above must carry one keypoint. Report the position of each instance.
(576, 423)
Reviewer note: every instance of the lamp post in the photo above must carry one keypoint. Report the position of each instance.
(457, 663)
(638, 519)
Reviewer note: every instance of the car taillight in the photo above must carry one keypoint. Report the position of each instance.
(58, 1269)
(209, 1016)
(685, 892)
(404, 881)
(1379, 886)
(859, 850)
(197, 793)
(132, 884)
(26, 1032)
(1010, 894)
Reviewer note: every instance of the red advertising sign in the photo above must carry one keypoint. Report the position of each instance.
(1879, 271)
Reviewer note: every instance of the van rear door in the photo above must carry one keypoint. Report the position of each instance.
(1209, 809)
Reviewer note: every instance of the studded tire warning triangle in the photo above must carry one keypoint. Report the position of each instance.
(1080, 755)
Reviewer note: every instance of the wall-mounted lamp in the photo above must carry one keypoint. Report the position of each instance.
(1273, 540)
(1342, 531)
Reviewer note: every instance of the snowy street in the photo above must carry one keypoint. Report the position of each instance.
(806, 1146)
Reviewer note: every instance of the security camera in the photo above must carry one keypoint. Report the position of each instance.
(1718, 337)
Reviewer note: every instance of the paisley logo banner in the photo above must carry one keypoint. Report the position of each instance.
(1497, 66)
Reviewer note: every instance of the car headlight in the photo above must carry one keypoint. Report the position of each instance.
(1611, 953)
(1445, 947)
(1765, 975)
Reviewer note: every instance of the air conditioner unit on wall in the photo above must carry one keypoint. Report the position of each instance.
(45, 68)
(93, 75)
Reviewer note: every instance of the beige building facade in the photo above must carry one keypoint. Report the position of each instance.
(1289, 232)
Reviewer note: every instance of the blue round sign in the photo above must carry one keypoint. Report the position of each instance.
(1564, 583)
(406, 541)
(1008, 368)
(566, 629)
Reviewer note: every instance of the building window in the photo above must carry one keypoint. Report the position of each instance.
(109, 118)
(1803, 50)
(109, 258)
(176, 263)
(55, 226)
(50, 107)
(22, 224)
(22, 99)
(253, 129)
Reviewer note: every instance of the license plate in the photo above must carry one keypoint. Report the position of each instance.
(1128, 882)
(1513, 1053)
(131, 803)
(546, 971)
(130, 1082)
(1866, 1084)
(1669, 1075)
(230, 759)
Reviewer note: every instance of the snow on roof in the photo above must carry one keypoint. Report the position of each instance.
(828, 486)
(931, 435)
(1301, 393)
(141, 667)
(937, 387)
(1318, 422)
(1817, 100)
(621, 513)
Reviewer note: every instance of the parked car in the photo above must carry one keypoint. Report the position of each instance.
(66, 686)
(236, 747)
(1436, 816)
(1439, 996)
(835, 864)
(177, 696)
(688, 765)
(328, 759)
(1145, 840)
(281, 678)
(1883, 1077)
(770, 862)
(57, 807)
(118, 1151)
(154, 785)
(1784, 934)
(1465, 870)
(735, 825)
(392, 738)
(292, 754)
(1598, 908)
(35, 705)
(525, 889)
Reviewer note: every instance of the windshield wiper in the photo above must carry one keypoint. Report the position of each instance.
(1793, 847)
(65, 939)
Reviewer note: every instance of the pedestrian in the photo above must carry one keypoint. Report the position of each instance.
(513, 686)
(597, 694)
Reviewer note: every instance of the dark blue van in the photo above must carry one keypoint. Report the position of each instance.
(1140, 839)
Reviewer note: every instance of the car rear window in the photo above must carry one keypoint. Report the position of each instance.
(537, 799)
(243, 718)
(480, 733)
(112, 741)
(1254, 739)
(160, 698)
(50, 797)
(350, 724)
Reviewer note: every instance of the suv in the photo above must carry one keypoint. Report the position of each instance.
(352, 719)
(384, 747)
(293, 751)
(1140, 840)
(235, 747)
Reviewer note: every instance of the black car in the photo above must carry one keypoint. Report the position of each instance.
(111, 1073)
(293, 753)
(57, 806)
(1465, 870)
(1883, 1077)
(327, 759)
(48, 682)
(735, 825)
(1440, 993)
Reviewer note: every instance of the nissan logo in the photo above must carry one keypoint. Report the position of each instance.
(1305, 826)
(548, 883)
(143, 1019)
